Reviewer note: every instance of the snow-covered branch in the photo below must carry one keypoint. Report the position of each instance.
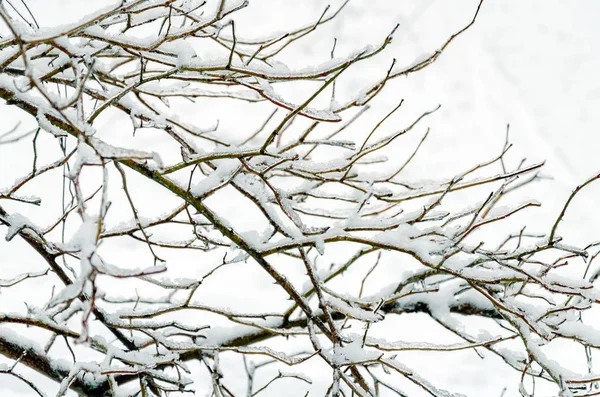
(168, 245)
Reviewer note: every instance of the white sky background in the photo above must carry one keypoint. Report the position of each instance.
(532, 64)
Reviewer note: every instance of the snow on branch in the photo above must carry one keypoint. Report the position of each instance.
(161, 238)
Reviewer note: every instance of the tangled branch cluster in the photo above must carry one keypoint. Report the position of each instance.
(325, 204)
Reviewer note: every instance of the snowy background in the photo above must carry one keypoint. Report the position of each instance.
(532, 64)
